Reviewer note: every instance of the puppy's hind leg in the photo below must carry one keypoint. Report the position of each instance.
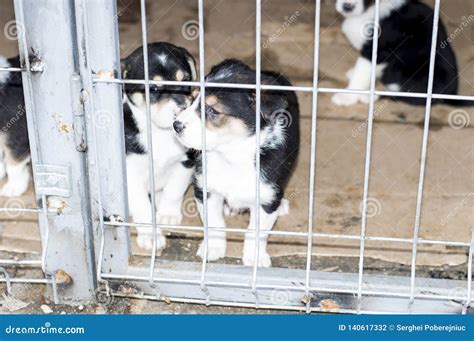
(267, 220)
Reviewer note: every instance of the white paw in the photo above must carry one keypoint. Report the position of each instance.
(366, 98)
(284, 208)
(264, 259)
(349, 73)
(216, 249)
(345, 99)
(232, 212)
(13, 188)
(145, 241)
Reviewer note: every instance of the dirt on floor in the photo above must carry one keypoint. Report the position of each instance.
(287, 39)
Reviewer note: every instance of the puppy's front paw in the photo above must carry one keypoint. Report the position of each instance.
(145, 241)
(169, 213)
(264, 259)
(216, 249)
(366, 98)
(14, 188)
(345, 99)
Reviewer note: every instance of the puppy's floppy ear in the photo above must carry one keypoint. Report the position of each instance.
(270, 102)
(191, 62)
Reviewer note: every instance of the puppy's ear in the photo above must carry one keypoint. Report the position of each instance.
(192, 66)
(271, 102)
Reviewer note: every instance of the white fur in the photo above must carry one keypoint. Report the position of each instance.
(18, 178)
(4, 75)
(170, 176)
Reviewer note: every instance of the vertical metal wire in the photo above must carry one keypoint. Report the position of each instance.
(426, 128)
(314, 115)
(368, 151)
(469, 274)
(202, 94)
(151, 168)
(258, 31)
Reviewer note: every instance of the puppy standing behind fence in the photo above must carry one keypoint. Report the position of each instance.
(403, 54)
(231, 149)
(14, 145)
(173, 165)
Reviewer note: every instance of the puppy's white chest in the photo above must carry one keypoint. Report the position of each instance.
(357, 30)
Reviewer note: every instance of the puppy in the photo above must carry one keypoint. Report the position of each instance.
(14, 145)
(231, 148)
(404, 48)
(173, 166)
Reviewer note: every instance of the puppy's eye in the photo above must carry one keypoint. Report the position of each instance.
(155, 88)
(211, 112)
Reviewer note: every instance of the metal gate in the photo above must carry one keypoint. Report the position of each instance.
(71, 67)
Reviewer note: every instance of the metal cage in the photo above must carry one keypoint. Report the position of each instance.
(82, 67)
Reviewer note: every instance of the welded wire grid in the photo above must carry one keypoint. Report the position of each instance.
(315, 89)
(34, 262)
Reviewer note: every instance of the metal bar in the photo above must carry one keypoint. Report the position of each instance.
(202, 94)
(288, 88)
(181, 279)
(66, 235)
(99, 52)
(314, 116)
(424, 150)
(368, 151)
(258, 70)
(149, 134)
(469, 274)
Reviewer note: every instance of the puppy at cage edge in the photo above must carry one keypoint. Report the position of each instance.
(230, 128)
(173, 163)
(14, 145)
(403, 54)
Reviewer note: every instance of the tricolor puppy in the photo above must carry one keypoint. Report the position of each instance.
(172, 166)
(404, 46)
(231, 148)
(14, 145)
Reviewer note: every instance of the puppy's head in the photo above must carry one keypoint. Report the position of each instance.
(230, 113)
(350, 8)
(166, 62)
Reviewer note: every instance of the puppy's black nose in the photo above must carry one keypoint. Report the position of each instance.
(348, 7)
(178, 126)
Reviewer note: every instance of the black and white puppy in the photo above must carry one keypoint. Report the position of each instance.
(231, 149)
(14, 145)
(172, 167)
(404, 47)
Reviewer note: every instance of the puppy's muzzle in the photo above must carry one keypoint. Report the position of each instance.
(347, 7)
(178, 127)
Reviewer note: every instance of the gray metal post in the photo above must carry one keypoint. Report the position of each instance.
(99, 56)
(48, 52)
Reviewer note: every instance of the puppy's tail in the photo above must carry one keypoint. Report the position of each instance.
(4, 75)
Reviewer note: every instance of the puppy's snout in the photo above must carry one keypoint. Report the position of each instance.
(178, 126)
(347, 7)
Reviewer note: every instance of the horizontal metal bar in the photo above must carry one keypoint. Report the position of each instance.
(284, 88)
(33, 262)
(224, 283)
(19, 210)
(27, 280)
(11, 69)
(294, 234)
